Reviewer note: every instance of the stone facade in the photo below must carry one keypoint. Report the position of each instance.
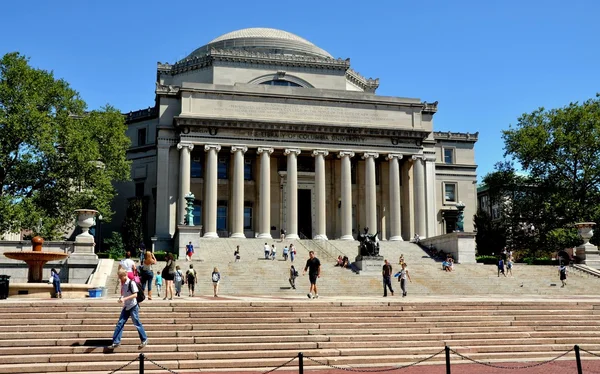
(269, 132)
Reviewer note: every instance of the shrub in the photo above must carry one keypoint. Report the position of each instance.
(487, 260)
(161, 255)
(115, 244)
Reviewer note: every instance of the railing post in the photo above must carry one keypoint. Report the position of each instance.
(300, 363)
(447, 349)
(578, 359)
(142, 363)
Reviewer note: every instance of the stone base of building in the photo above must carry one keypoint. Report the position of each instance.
(185, 235)
(369, 264)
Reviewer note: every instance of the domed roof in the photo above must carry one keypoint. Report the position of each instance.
(263, 40)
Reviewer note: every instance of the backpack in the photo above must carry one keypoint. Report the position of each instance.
(191, 276)
(216, 277)
(178, 277)
(140, 294)
(295, 273)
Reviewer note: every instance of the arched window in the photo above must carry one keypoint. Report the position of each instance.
(281, 82)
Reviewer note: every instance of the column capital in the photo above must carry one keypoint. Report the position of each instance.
(242, 148)
(322, 152)
(345, 153)
(180, 146)
(429, 158)
(417, 157)
(208, 147)
(367, 155)
(288, 151)
(264, 150)
(391, 156)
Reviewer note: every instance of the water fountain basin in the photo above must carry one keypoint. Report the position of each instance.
(36, 259)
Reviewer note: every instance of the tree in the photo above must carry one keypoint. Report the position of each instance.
(54, 155)
(133, 228)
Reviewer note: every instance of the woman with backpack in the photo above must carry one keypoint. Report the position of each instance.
(178, 280)
(293, 276)
(216, 277)
(192, 279)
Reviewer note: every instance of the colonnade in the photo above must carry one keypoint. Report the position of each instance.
(422, 178)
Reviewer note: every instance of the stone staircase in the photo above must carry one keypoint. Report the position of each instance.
(254, 275)
(208, 334)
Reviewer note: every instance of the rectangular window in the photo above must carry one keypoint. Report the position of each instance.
(139, 189)
(141, 133)
(450, 192)
(448, 155)
(222, 168)
(222, 216)
(248, 217)
(196, 167)
(197, 214)
(248, 170)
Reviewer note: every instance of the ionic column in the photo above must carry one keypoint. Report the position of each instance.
(162, 191)
(264, 228)
(346, 188)
(430, 196)
(419, 196)
(210, 191)
(184, 178)
(292, 193)
(321, 228)
(395, 230)
(237, 208)
(370, 191)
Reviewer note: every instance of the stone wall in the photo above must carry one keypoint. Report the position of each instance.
(461, 245)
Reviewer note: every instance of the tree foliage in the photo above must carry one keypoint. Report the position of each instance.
(133, 229)
(55, 156)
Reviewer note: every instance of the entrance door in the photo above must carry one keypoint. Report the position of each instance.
(304, 213)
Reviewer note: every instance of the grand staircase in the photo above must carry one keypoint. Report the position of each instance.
(208, 334)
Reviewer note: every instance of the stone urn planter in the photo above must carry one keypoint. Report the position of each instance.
(587, 253)
(85, 220)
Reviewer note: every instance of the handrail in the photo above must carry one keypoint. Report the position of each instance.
(323, 246)
(586, 269)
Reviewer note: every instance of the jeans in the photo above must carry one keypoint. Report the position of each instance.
(403, 286)
(292, 256)
(146, 278)
(387, 283)
(135, 317)
(56, 285)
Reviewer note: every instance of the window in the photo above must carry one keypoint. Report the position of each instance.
(196, 167)
(139, 189)
(248, 216)
(450, 192)
(222, 168)
(222, 216)
(141, 137)
(248, 170)
(448, 155)
(281, 82)
(197, 214)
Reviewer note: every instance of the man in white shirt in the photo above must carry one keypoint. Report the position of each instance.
(130, 309)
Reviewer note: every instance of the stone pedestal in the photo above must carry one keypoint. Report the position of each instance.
(161, 243)
(186, 234)
(369, 264)
(82, 262)
(587, 253)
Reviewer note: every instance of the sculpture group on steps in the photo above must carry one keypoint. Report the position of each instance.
(369, 245)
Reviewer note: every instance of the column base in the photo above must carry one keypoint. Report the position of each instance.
(347, 237)
(238, 235)
(265, 236)
(396, 239)
(211, 235)
(320, 237)
(292, 236)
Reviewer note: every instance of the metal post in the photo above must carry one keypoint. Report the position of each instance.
(447, 349)
(578, 360)
(142, 363)
(300, 363)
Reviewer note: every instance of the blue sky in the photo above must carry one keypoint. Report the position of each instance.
(486, 62)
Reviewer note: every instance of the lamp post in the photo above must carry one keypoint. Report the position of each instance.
(99, 234)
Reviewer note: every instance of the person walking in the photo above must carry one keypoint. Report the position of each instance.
(509, 265)
(562, 272)
(158, 282)
(273, 252)
(168, 275)
(286, 251)
(292, 252)
(236, 254)
(267, 250)
(386, 272)
(402, 278)
(501, 267)
(189, 251)
(192, 279)
(128, 298)
(56, 283)
(293, 276)
(147, 272)
(313, 265)
(178, 280)
(216, 277)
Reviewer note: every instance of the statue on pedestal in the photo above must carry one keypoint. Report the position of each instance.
(460, 221)
(189, 208)
(369, 246)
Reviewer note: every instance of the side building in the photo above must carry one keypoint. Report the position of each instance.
(270, 132)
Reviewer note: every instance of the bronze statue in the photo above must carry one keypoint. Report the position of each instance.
(369, 246)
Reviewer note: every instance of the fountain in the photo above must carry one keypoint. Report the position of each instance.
(36, 259)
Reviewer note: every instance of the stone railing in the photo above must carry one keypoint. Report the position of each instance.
(461, 245)
(25, 245)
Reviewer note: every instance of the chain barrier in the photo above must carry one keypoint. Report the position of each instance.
(160, 366)
(124, 366)
(280, 366)
(375, 370)
(511, 367)
(588, 352)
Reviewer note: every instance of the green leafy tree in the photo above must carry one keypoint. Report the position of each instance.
(55, 156)
(116, 248)
(133, 228)
(490, 237)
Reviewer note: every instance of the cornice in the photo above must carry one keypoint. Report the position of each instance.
(368, 85)
(248, 57)
(141, 115)
(456, 136)
(430, 108)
